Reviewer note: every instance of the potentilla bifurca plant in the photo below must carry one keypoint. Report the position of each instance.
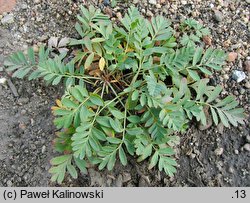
(129, 89)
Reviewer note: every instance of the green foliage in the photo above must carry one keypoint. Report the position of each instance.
(128, 90)
(193, 31)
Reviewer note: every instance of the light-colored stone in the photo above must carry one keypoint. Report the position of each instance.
(9, 183)
(3, 80)
(37, 1)
(8, 19)
(219, 151)
(43, 149)
(247, 147)
(236, 151)
(35, 48)
(248, 138)
(247, 85)
(158, 6)
(153, 2)
(238, 75)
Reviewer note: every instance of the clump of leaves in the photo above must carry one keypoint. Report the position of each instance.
(128, 90)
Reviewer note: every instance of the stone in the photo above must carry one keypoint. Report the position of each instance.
(153, 2)
(118, 182)
(232, 56)
(247, 147)
(207, 40)
(35, 48)
(119, 15)
(220, 128)
(9, 183)
(236, 151)
(183, 2)
(211, 5)
(8, 19)
(218, 16)
(3, 81)
(33, 146)
(106, 2)
(149, 13)
(248, 138)
(231, 169)
(37, 1)
(247, 85)
(23, 100)
(219, 151)
(158, 6)
(126, 177)
(43, 149)
(22, 126)
(247, 66)
(238, 76)
(23, 112)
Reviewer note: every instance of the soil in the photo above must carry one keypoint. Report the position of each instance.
(210, 157)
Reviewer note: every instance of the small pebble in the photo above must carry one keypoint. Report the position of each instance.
(219, 151)
(231, 170)
(152, 2)
(126, 177)
(220, 128)
(8, 19)
(23, 112)
(211, 5)
(192, 155)
(207, 40)
(22, 126)
(218, 16)
(236, 151)
(9, 183)
(158, 6)
(247, 66)
(183, 2)
(248, 138)
(232, 56)
(247, 147)
(238, 75)
(43, 149)
(3, 80)
(247, 85)
(35, 48)
(37, 1)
